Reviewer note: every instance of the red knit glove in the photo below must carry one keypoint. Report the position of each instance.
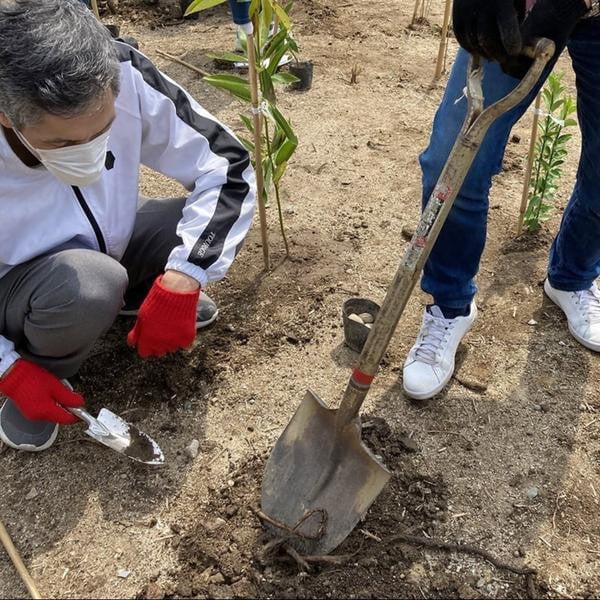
(166, 321)
(38, 394)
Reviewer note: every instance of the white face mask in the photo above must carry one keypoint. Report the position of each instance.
(74, 165)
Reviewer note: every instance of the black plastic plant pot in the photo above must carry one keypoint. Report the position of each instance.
(304, 72)
(355, 333)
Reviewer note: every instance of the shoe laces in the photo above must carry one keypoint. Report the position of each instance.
(433, 337)
(589, 304)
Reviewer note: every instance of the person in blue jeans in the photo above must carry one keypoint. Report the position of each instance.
(497, 30)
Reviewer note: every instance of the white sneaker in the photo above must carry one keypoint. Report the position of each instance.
(430, 363)
(582, 310)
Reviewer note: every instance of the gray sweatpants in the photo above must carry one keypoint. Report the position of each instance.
(54, 307)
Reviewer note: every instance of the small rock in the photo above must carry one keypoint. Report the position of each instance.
(356, 318)
(515, 139)
(193, 448)
(349, 271)
(532, 322)
(537, 407)
(231, 510)
(217, 579)
(215, 524)
(123, 573)
(32, 494)
(532, 492)
(366, 318)
(229, 327)
(369, 325)
(408, 231)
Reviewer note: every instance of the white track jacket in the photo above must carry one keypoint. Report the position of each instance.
(158, 125)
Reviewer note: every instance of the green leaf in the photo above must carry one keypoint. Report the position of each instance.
(279, 172)
(198, 5)
(233, 84)
(247, 121)
(229, 57)
(273, 44)
(274, 61)
(247, 144)
(570, 123)
(266, 18)
(266, 86)
(284, 19)
(284, 78)
(281, 122)
(285, 152)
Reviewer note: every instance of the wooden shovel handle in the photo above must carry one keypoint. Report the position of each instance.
(14, 555)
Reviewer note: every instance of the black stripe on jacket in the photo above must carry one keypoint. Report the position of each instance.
(209, 246)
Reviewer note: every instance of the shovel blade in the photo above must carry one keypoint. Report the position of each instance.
(328, 478)
(125, 438)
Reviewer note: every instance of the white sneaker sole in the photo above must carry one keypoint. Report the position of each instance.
(589, 345)
(430, 393)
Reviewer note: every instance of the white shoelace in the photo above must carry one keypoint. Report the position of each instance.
(433, 338)
(589, 304)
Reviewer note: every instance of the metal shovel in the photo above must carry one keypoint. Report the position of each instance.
(122, 437)
(320, 478)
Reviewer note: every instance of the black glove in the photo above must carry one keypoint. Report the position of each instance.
(492, 28)
(552, 19)
(489, 28)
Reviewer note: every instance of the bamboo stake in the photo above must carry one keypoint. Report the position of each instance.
(182, 62)
(257, 126)
(527, 182)
(416, 11)
(17, 561)
(95, 8)
(443, 41)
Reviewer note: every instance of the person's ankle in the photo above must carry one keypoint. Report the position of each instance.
(451, 312)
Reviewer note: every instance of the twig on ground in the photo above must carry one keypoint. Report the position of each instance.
(456, 433)
(183, 63)
(216, 457)
(468, 549)
(370, 535)
(458, 547)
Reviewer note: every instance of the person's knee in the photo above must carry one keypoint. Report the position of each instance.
(83, 298)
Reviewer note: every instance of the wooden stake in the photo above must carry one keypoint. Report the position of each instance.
(257, 125)
(17, 561)
(528, 170)
(416, 11)
(182, 62)
(95, 8)
(443, 41)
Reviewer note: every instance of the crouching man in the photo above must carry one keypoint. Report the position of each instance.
(79, 114)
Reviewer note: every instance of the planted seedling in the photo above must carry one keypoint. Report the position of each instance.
(550, 152)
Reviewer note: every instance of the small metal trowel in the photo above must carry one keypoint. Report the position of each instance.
(112, 431)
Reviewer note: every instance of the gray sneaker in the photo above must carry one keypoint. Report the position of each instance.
(206, 311)
(22, 434)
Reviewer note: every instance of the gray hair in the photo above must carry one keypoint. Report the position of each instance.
(55, 57)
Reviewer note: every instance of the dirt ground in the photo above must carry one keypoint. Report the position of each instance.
(507, 458)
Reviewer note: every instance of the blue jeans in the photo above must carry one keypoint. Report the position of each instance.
(574, 263)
